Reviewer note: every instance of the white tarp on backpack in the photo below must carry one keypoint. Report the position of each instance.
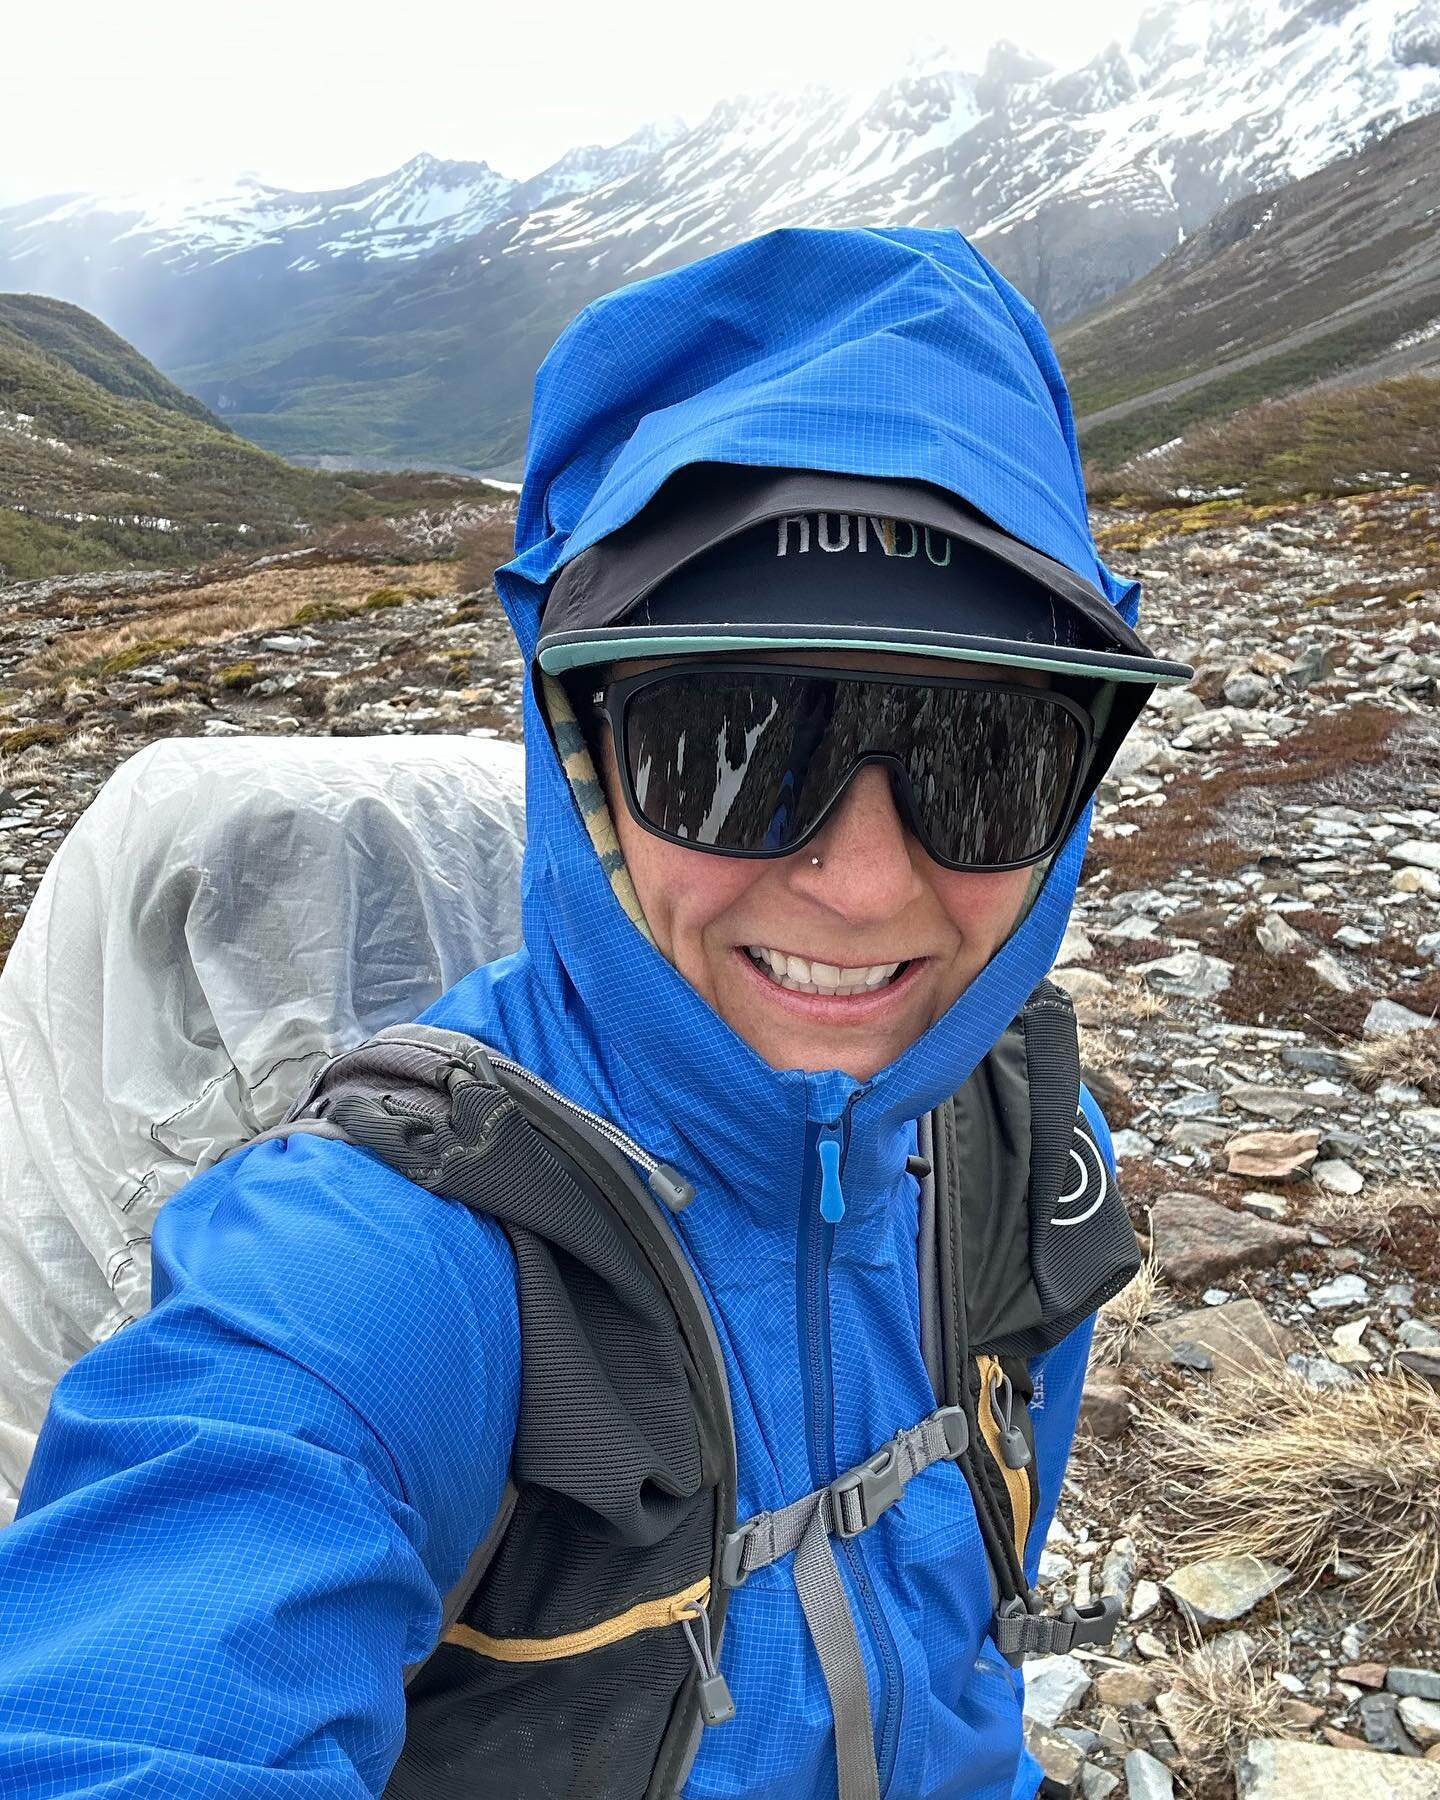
(227, 914)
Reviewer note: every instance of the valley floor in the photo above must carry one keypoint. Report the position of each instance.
(1256, 962)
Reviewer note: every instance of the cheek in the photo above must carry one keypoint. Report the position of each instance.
(983, 908)
(681, 892)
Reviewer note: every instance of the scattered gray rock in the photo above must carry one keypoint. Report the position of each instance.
(1424, 1684)
(1282, 1769)
(1418, 1334)
(1421, 1718)
(1188, 972)
(1222, 1589)
(1320, 1371)
(1054, 1686)
(1146, 1599)
(1117, 1574)
(1416, 853)
(1344, 1290)
(1276, 936)
(1146, 1778)
(1385, 1018)
(1061, 1760)
(1380, 1721)
(1097, 1783)
(1337, 1177)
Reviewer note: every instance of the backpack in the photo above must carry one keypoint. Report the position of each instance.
(578, 1654)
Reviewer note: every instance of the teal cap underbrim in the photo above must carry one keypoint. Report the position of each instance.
(564, 651)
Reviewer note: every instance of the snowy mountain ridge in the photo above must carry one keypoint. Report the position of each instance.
(351, 321)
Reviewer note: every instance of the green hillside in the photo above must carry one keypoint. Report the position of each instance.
(1335, 278)
(1329, 440)
(104, 463)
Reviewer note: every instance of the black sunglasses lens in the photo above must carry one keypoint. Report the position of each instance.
(749, 761)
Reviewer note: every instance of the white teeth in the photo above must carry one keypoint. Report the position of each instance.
(803, 977)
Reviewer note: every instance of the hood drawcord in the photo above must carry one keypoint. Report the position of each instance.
(589, 792)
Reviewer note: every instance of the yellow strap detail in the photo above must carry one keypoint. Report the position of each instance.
(647, 1616)
(1017, 1483)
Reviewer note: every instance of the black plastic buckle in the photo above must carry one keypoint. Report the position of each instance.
(733, 1572)
(956, 1428)
(1093, 1623)
(873, 1486)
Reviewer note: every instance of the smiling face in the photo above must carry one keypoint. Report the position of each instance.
(897, 938)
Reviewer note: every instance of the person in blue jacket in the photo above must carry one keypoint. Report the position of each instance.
(844, 808)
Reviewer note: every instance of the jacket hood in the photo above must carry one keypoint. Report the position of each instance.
(897, 353)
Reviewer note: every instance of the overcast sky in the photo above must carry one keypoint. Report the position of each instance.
(306, 93)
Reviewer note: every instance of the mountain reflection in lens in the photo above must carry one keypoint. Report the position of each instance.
(750, 760)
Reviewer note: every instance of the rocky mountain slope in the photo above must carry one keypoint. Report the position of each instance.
(1332, 278)
(405, 316)
(1256, 961)
(105, 462)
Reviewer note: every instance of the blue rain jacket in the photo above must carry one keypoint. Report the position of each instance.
(245, 1507)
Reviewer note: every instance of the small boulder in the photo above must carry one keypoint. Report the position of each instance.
(1421, 1718)
(1272, 1155)
(1061, 1760)
(1187, 972)
(1147, 1778)
(1280, 1769)
(1126, 1687)
(1054, 1686)
(1240, 1338)
(1276, 936)
(1105, 1406)
(1222, 1589)
(1386, 1018)
(1197, 1240)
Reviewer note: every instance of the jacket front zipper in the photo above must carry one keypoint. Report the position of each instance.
(820, 1215)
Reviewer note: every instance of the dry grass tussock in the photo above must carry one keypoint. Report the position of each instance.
(1218, 1699)
(1128, 999)
(1412, 1057)
(1122, 1320)
(1371, 1216)
(1304, 1476)
(1221, 1695)
(266, 599)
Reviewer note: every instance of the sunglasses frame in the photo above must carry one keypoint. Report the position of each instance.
(612, 702)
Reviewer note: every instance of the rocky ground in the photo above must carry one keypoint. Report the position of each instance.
(1256, 961)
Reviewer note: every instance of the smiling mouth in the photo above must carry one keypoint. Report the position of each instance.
(801, 975)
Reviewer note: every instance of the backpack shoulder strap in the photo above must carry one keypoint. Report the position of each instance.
(623, 1470)
(1022, 1236)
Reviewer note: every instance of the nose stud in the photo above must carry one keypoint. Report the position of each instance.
(815, 862)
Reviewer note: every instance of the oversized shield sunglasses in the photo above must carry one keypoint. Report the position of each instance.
(750, 759)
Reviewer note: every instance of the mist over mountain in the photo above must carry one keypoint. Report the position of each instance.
(404, 317)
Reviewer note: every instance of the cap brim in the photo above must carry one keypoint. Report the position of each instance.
(595, 611)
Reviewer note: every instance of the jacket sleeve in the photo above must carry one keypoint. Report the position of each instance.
(245, 1508)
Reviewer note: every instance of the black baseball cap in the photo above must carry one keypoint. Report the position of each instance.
(730, 558)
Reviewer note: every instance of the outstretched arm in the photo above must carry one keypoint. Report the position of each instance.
(244, 1508)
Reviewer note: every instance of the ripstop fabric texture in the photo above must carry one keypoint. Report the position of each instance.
(245, 1506)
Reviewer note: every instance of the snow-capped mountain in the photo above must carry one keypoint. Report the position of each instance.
(1073, 181)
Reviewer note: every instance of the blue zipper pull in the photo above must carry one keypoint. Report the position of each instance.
(832, 1196)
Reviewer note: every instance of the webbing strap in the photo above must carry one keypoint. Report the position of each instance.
(852, 1502)
(832, 1631)
(849, 1505)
